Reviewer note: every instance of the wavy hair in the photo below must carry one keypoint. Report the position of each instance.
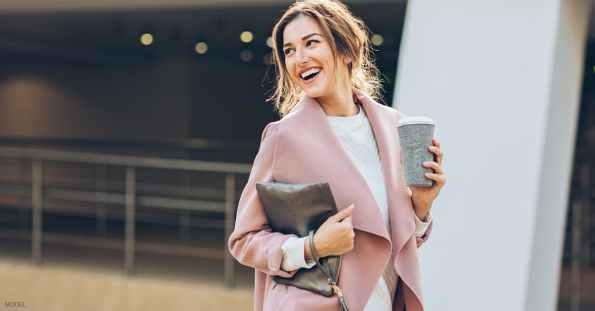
(346, 34)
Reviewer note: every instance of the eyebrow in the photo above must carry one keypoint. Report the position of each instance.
(304, 38)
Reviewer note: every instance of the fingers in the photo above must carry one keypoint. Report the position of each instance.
(348, 221)
(347, 226)
(437, 151)
(440, 179)
(437, 168)
(342, 214)
(436, 143)
(438, 175)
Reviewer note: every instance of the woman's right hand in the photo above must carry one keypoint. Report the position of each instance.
(334, 237)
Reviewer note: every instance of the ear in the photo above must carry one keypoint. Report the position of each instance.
(346, 60)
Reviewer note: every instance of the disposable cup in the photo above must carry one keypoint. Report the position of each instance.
(415, 136)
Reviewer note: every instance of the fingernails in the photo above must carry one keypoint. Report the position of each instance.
(427, 163)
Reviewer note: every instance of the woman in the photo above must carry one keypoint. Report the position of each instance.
(332, 129)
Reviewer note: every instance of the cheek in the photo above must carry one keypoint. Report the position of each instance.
(290, 67)
(328, 63)
(330, 70)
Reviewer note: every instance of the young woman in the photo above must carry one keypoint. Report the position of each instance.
(332, 129)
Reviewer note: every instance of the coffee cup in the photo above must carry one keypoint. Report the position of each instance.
(415, 136)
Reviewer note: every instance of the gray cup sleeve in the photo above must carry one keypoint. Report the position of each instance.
(415, 140)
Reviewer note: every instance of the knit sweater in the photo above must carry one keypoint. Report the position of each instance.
(357, 137)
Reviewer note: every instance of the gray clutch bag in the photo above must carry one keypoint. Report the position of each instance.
(299, 209)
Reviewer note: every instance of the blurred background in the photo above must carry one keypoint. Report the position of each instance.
(127, 133)
(163, 102)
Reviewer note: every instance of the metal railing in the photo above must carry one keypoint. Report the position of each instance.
(161, 197)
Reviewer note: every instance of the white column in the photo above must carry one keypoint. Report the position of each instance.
(502, 79)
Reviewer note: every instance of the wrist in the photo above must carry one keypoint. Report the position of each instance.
(421, 215)
(307, 251)
(421, 209)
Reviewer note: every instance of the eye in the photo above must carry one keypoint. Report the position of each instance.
(310, 42)
(288, 51)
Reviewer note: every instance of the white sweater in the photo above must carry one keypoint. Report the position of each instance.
(356, 135)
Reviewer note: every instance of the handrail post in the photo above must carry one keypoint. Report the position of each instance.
(36, 202)
(185, 181)
(101, 199)
(24, 206)
(229, 265)
(129, 261)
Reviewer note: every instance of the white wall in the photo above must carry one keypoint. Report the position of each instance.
(557, 155)
(502, 80)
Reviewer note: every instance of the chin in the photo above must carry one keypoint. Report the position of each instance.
(312, 94)
(315, 91)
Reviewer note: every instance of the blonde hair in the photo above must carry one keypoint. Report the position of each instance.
(346, 34)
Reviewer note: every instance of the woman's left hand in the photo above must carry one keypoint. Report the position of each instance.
(422, 197)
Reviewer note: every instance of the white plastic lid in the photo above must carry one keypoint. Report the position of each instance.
(414, 120)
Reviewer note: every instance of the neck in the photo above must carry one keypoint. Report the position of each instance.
(340, 104)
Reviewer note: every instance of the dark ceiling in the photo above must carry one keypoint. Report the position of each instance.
(114, 35)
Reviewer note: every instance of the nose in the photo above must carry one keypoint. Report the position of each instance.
(301, 56)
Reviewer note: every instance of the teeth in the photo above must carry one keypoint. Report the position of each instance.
(309, 72)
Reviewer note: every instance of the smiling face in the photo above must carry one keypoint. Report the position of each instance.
(309, 59)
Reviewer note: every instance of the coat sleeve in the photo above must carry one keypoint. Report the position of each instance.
(252, 242)
(425, 237)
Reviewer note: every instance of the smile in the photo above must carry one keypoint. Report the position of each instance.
(310, 73)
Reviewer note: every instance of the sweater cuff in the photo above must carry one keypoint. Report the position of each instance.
(293, 255)
(420, 226)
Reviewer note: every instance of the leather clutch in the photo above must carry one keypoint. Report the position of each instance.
(298, 209)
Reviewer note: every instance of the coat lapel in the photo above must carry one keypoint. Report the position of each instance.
(384, 124)
(326, 154)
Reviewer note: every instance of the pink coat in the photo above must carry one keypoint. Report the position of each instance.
(303, 148)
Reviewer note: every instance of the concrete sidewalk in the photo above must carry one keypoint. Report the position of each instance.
(62, 289)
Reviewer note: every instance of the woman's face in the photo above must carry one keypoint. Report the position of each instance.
(309, 58)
